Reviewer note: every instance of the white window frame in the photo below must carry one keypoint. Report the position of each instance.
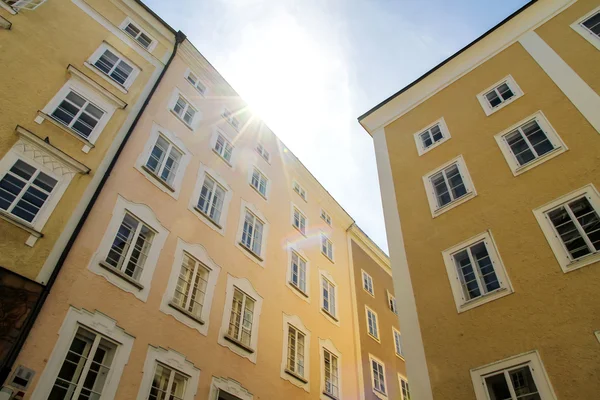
(190, 104)
(230, 117)
(467, 181)
(246, 287)
(299, 190)
(203, 172)
(213, 143)
(301, 217)
(397, 342)
(505, 288)
(333, 317)
(405, 394)
(326, 217)
(261, 174)
(30, 5)
(532, 359)
(303, 294)
(263, 152)
(512, 84)
(230, 386)
(556, 244)
(176, 362)
(443, 129)
(145, 215)
(200, 253)
(373, 335)
(128, 21)
(381, 394)
(366, 280)
(392, 304)
(260, 259)
(202, 92)
(94, 321)
(301, 381)
(326, 344)
(98, 53)
(173, 189)
(330, 257)
(578, 27)
(559, 146)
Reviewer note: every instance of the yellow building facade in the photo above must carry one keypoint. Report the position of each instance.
(489, 175)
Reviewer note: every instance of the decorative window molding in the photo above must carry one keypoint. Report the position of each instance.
(259, 181)
(298, 276)
(172, 368)
(526, 369)
(222, 145)
(299, 220)
(529, 143)
(326, 247)
(499, 95)
(231, 332)
(372, 323)
(397, 342)
(476, 272)
(587, 26)
(106, 333)
(300, 191)
(367, 283)
(431, 136)
(184, 110)
(231, 118)
(295, 361)
(404, 388)
(263, 152)
(211, 198)
(448, 186)
(329, 303)
(326, 217)
(392, 302)
(141, 37)
(113, 67)
(140, 286)
(253, 230)
(77, 89)
(19, 5)
(378, 382)
(561, 222)
(164, 160)
(34, 175)
(229, 386)
(193, 79)
(204, 272)
(331, 377)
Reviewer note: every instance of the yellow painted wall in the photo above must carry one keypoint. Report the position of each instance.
(550, 311)
(34, 55)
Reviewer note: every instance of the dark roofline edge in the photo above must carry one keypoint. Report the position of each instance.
(155, 15)
(440, 65)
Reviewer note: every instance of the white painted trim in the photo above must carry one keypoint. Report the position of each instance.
(198, 80)
(296, 322)
(246, 206)
(364, 274)
(583, 97)
(7, 8)
(197, 113)
(328, 237)
(230, 386)
(128, 21)
(561, 254)
(584, 32)
(95, 321)
(173, 360)
(377, 331)
(377, 393)
(292, 247)
(145, 215)
(506, 287)
(200, 253)
(327, 344)
(390, 296)
(407, 310)
(394, 331)
(443, 128)
(512, 84)
(98, 53)
(325, 274)
(294, 207)
(300, 188)
(532, 359)
(267, 181)
(323, 210)
(213, 142)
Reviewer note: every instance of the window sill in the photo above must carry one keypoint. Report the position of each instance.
(297, 289)
(181, 120)
(156, 177)
(8, 8)
(186, 313)
(380, 394)
(327, 257)
(41, 116)
(331, 396)
(251, 252)
(120, 274)
(222, 158)
(298, 229)
(238, 343)
(400, 356)
(4, 23)
(229, 122)
(295, 375)
(464, 198)
(329, 315)
(208, 217)
(582, 262)
(374, 337)
(534, 163)
(481, 300)
(257, 191)
(369, 293)
(21, 224)
(100, 73)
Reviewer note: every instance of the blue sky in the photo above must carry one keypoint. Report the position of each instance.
(309, 68)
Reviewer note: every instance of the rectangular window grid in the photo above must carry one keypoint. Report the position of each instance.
(114, 67)
(252, 233)
(184, 110)
(392, 303)
(78, 114)
(368, 283)
(211, 199)
(295, 360)
(193, 79)
(328, 296)
(378, 376)
(404, 389)
(476, 271)
(223, 147)
(299, 190)
(164, 160)
(135, 32)
(592, 24)
(259, 182)
(398, 342)
(331, 374)
(298, 271)
(499, 94)
(528, 142)
(25, 4)
(448, 185)
(191, 285)
(372, 324)
(227, 114)
(512, 384)
(263, 152)
(241, 318)
(431, 136)
(167, 384)
(327, 247)
(299, 221)
(326, 217)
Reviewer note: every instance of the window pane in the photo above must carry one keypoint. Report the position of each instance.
(486, 267)
(457, 186)
(132, 30)
(157, 154)
(568, 232)
(106, 62)
(593, 24)
(537, 137)
(436, 133)
(121, 72)
(122, 241)
(426, 139)
(144, 40)
(588, 220)
(466, 275)
(523, 384)
(519, 147)
(170, 169)
(505, 91)
(139, 253)
(441, 189)
(493, 99)
(498, 387)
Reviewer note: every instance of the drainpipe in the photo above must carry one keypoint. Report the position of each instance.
(18, 346)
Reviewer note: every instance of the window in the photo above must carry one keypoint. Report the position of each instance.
(263, 152)
(328, 299)
(404, 389)
(252, 233)
(130, 247)
(228, 116)
(571, 225)
(397, 342)
(372, 324)
(86, 366)
(392, 303)
(299, 189)
(298, 272)
(164, 160)
(476, 272)
(295, 353)
(499, 95)
(223, 148)
(588, 26)
(326, 217)
(299, 221)
(529, 143)
(520, 377)
(431, 136)
(114, 66)
(331, 374)
(326, 247)
(378, 375)
(193, 79)
(184, 111)
(259, 182)
(167, 384)
(212, 196)
(448, 186)
(368, 283)
(241, 318)
(593, 24)
(191, 286)
(24, 190)
(140, 36)
(25, 4)
(77, 113)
